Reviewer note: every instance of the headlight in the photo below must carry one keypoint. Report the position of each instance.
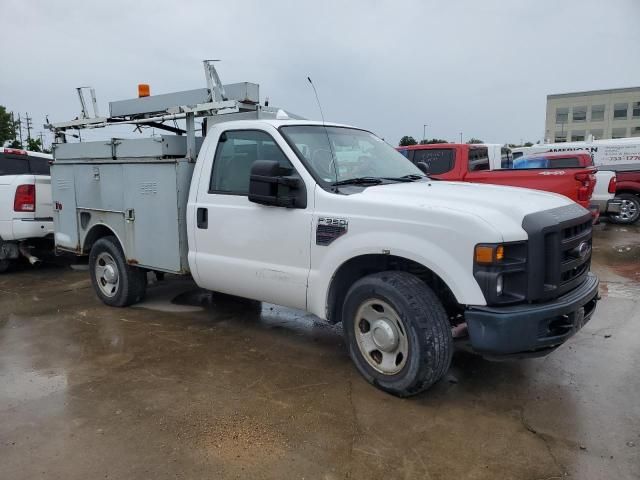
(501, 271)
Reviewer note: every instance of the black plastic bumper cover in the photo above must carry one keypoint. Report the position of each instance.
(530, 328)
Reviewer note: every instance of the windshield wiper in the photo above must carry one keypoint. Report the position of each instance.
(412, 177)
(358, 181)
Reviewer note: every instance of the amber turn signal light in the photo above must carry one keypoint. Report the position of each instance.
(487, 254)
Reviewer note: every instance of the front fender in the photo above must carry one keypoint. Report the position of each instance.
(453, 264)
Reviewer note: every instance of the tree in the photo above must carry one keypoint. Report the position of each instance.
(7, 127)
(15, 144)
(407, 140)
(526, 144)
(474, 140)
(433, 140)
(34, 145)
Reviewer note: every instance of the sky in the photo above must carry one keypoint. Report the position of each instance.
(480, 68)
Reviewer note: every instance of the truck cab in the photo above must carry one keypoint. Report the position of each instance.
(330, 219)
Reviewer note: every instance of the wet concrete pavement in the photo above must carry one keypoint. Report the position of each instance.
(209, 387)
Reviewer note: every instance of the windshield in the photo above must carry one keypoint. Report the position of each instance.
(339, 154)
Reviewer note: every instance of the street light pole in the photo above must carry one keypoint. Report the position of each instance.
(424, 132)
(460, 137)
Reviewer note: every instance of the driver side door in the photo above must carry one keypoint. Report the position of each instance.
(244, 248)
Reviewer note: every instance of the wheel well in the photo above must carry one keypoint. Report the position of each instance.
(96, 233)
(358, 267)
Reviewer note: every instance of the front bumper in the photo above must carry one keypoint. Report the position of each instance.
(532, 329)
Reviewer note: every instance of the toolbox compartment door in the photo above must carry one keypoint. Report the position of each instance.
(152, 220)
(65, 219)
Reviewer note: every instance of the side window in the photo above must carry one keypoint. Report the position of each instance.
(438, 160)
(568, 162)
(506, 160)
(39, 166)
(404, 152)
(235, 154)
(13, 165)
(478, 159)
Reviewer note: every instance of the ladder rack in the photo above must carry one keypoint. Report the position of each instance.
(216, 103)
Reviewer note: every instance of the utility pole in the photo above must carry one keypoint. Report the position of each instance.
(424, 132)
(20, 129)
(460, 137)
(13, 127)
(29, 126)
(41, 135)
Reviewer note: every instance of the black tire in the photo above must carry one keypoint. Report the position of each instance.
(132, 281)
(5, 265)
(429, 340)
(630, 212)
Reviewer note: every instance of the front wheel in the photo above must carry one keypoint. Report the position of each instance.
(116, 283)
(629, 210)
(397, 332)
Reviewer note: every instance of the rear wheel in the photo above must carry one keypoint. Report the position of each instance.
(629, 210)
(116, 283)
(398, 332)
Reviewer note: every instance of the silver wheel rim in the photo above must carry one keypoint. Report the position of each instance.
(381, 337)
(107, 275)
(628, 210)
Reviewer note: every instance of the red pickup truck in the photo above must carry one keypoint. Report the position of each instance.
(479, 163)
(628, 193)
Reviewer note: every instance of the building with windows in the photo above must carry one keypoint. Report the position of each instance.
(572, 117)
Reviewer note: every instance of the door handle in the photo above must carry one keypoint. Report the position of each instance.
(202, 218)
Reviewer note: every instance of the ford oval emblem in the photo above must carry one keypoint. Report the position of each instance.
(581, 250)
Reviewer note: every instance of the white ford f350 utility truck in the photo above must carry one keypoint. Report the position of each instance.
(324, 218)
(26, 214)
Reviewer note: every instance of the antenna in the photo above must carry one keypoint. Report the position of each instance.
(333, 155)
(317, 99)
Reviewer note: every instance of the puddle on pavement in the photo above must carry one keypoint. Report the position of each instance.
(163, 298)
(628, 291)
(21, 385)
(227, 309)
(623, 259)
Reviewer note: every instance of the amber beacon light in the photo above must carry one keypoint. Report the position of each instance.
(144, 90)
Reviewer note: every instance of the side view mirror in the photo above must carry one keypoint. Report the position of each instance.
(271, 184)
(424, 168)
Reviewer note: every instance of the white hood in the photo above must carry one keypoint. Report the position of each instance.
(502, 207)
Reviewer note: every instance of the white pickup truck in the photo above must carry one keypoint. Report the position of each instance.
(26, 213)
(332, 220)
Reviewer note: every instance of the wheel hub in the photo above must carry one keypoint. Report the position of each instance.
(110, 274)
(106, 274)
(385, 335)
(381, 336)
